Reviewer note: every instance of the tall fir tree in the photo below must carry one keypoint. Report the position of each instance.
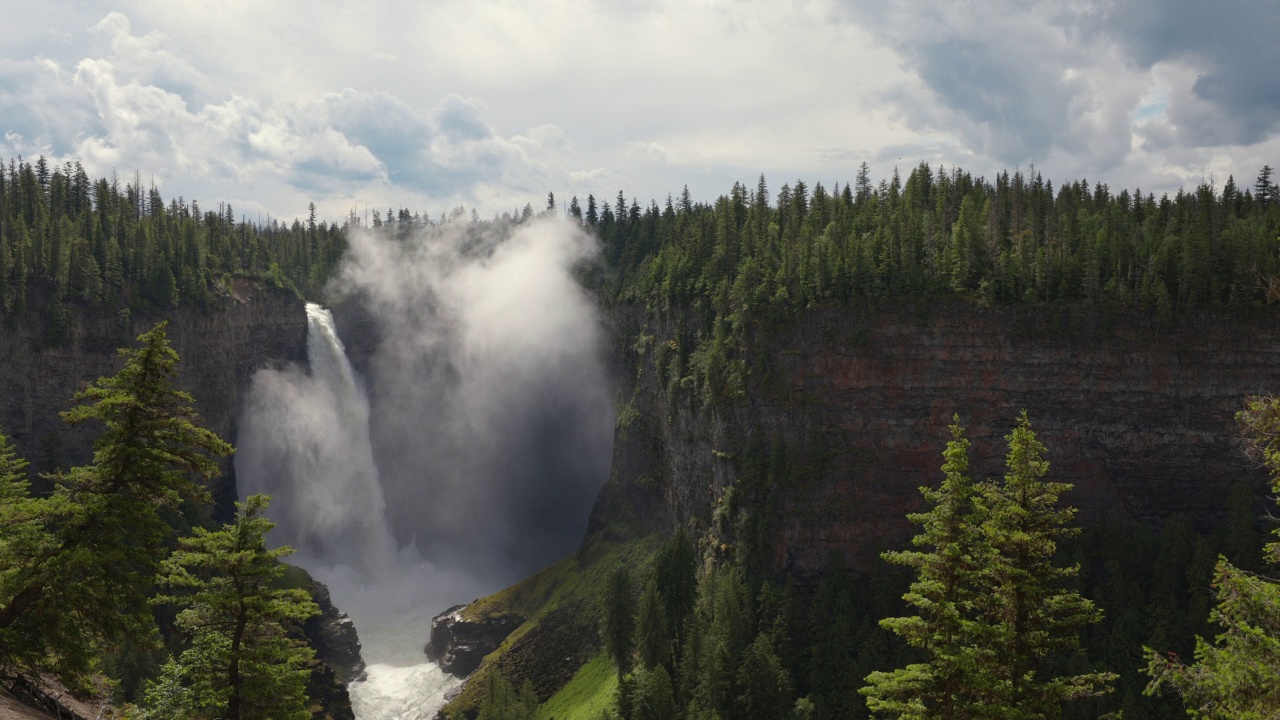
(1026, 614)
(85, 581)
(652, 638)
(943, 630)
(241, 663)
(618, 608)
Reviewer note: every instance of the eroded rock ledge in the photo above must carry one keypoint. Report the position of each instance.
(334, 637)
(458, 644)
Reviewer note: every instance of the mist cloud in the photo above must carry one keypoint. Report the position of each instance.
(489, 418)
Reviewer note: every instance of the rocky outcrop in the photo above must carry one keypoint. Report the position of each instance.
(458, 644)
(1136, 413)
(337, 661)
(220, 347)
(24, 697)
(334, 637)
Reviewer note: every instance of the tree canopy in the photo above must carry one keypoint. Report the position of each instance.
(78, 567)
(241, 663)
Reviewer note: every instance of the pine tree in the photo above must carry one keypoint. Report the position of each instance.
(241, 663)
(943, 594)
(502, 702)
(993, 606)
(676, 569)
(1236, 677)
(618, 613)
(1264, 191)
(24, 539)
(764, 688)
(1026, 615)
(86, 581)
(652, 639)
(13, 476)
(654, 695)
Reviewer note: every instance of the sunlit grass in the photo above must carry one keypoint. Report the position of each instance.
(588, 694)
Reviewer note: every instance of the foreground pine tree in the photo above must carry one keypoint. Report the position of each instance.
(76, 573)
(943, 595)
(992, 605)
(1026, 613)
(1237, 677)
(241, 663)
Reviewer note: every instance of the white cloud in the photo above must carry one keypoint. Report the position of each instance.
(496, 103)
(135, 107)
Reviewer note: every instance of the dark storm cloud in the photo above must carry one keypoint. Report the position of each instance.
(1232, 45)
(1017, 109)
(994, 73)
(450, 147)
(1022, 82)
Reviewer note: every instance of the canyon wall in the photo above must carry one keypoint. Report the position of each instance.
(1138, 414)
(219, 348)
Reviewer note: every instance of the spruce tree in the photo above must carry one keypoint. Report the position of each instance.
(1025, 613)
(85, 580)
(943, 593)
(501, 701)
(764, 687)
(654, 695)
(993, 606)
(618, 614)
(1236, 677)
(241, 663)
(676, 569)
(23, 539)
(653, 641)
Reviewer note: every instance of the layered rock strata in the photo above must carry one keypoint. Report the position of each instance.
(1138, 414)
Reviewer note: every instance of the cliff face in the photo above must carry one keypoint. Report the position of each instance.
(1138, 415)
(219, 349)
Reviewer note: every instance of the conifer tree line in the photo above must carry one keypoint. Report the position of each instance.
(80, 567)
(725, 273)
(67, 241)
(944, 233)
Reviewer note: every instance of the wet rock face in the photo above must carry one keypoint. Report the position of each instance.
(333, 635)
(337, 648)
(1138, 415)
(458, 645)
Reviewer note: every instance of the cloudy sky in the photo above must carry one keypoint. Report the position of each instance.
(433, 104)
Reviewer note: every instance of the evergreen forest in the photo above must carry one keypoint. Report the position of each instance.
(1004, 607)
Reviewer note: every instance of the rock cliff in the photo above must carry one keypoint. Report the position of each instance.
(458, 644)
(1138, 414)
(250, 327)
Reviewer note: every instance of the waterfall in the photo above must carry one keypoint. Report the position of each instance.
(349, 506)
(469, 460)
(304, 439)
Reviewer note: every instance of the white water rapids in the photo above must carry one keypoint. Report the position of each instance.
(305, 441)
